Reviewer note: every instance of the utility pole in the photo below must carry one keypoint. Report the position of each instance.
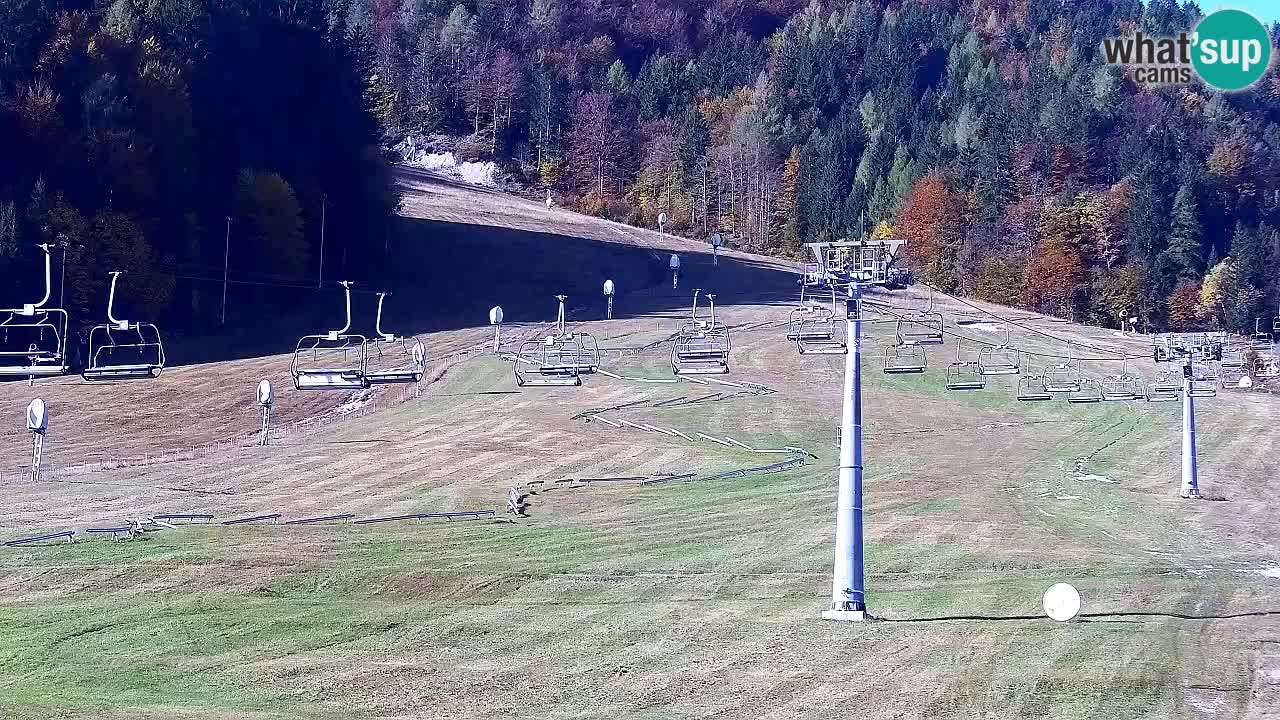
(226, 257)
(848, 600)
(1190, 476)
(324, 202)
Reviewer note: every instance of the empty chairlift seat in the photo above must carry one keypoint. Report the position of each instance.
(1087, 391)
(559, 359)
(392, 358)
(1063, 377)
(335, 360)
(1124, 385)
(1166, 387)
(923, 327)
(905, 357)
(1031, 388)
(963, 373)
(1204, 381)
(702, 346)
(123, 350)
(1000, 359)
(550, 362)
(33, 338)
(821, 333)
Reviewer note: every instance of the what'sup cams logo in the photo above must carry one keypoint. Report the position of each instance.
(1228, 50)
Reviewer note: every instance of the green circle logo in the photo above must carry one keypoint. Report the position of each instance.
(1231, 49)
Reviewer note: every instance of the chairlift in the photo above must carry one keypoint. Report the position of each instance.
(559, 359)
(1087, 391)
(702, 346)
(1203, 381)
(1000, 359)
(393, 358)
(1031, 387)
(335, 360)
(1269, 366)
(1167, 386)
(905, 357)
(554, 365)
(1232, 355)
(1260, 341)
(820, 333)
(33, 338)
(1123, 385)
(964, 374)
(1063, 377)
(586, 355)
(140, 356)
(925, 327)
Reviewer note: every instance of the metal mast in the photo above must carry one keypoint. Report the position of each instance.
(848, 601)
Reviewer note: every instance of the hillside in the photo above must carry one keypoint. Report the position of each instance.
(694, 595)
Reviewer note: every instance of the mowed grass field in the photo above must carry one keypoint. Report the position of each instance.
(669, 600)
(672, 600)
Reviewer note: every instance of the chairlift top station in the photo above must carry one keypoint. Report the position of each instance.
(869, 262)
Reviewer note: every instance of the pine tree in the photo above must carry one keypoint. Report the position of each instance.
(1186, 250)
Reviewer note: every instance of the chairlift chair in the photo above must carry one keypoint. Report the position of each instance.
(33, 338)
(1063, 377)
(905, 357)
(559, 359)
(1000, 359)
(925, 327)
(580, 347)
(821, 333)
(1167, 386)
(1232, 354)
(138, 357)
(393, 358)
(335, 360)
(1261, 340)
(1087, 391)
(1204, 381)
(964, 374)
(1031, 387)
(553, 364)
(1123, 385)
(701, 347)
(1268, 368)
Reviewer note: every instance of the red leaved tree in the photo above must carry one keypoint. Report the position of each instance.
(1055, 279)
(932, 221)
(1184, 307)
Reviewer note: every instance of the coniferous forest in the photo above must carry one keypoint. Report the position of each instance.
(989, 133)
(131, 131)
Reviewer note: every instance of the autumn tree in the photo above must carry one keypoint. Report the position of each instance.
(931, 221)
(596, 143)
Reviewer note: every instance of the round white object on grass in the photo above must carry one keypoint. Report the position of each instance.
(1061, 602)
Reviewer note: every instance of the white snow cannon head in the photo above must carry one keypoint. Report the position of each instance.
(37, 417)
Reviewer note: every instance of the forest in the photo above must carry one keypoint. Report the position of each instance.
(170, 139)
(166, 137)
(989, 133)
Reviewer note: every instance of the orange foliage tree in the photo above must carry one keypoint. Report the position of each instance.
(932, 221)
(1184, 306)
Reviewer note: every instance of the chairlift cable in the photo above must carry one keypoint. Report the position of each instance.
(1015, 323)
(1030, 353)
